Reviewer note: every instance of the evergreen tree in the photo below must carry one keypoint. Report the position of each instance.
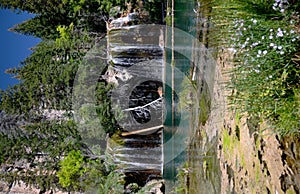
(31, 153)
(41, 26)
(35, 6)
(32, 146)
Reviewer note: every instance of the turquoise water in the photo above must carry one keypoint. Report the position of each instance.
(191, 76)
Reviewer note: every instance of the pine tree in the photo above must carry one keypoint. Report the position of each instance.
(41, 26)
(31, 144)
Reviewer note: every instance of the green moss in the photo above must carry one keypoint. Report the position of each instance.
(258, 173)
(229, 142)
(242, 160)
(290, 191)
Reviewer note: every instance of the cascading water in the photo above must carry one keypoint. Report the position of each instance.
(160, 129)
(136, 55)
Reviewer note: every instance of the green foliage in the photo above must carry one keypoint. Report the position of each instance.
(35, 148)
(112, 184)
(181, 182)
(71, 168)
(41, 26)
(75, 4)
(64, 34)
(97, 178)
(48, 75)
(262, 37)
(77, 173)
(106, 5)
(32, 147)
(33, 6)
(104, 108)
(154, 7)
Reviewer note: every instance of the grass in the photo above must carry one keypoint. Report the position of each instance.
(264, 39)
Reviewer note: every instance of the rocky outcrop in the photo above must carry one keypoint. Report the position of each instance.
(253, 158)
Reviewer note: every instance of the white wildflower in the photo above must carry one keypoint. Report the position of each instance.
(263, 37)
(279, 47)
(254, 21)
(292, 31)
(272, 44)
(281, 52)
(265, 52)
(259, 52)
(270, 37)
(279, 33)
(280, 5)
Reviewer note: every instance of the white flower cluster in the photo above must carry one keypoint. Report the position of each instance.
(245, 39)
(279, 48)
(280, 5)
(260, 53)
(280, 33)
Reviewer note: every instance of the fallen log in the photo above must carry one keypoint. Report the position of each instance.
(141, 130)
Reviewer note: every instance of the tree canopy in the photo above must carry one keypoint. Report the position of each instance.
(40, 143)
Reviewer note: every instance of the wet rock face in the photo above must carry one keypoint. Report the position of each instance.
(253, 159)
(156, 187)
(129, 19)
(142, 95)
(136, 52)
(291, 157)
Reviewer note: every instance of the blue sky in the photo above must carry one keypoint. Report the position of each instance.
(14, 47)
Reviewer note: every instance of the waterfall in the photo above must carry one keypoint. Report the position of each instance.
(135, 51)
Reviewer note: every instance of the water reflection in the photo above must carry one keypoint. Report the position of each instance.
(197, 131)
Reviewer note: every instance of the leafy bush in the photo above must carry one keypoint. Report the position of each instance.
(78, 173)
(71, 168)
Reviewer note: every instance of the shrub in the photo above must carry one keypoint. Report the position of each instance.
(71, 168)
